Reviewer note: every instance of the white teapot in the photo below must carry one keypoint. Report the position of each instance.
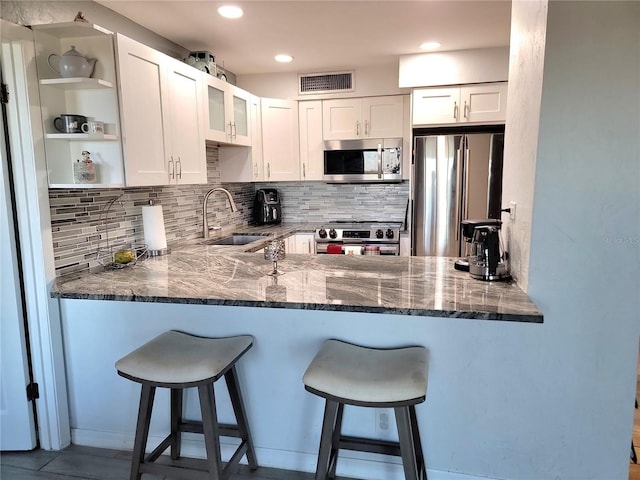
(72, 64)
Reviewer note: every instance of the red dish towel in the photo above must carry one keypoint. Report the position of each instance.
(334, 249)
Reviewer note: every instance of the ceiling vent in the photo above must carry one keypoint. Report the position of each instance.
(334, 82)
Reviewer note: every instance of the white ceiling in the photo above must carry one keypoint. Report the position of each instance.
(321, 35)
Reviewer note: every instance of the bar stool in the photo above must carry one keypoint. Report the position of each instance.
(178, 360)
(347, 374)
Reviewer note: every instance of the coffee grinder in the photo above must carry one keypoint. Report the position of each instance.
(467, 228)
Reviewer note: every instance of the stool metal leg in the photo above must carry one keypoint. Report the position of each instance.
(422, 471)
(176, 420)
(142, 429)
(231, 377)
(328, 426)
(211, 431)
(335, 442)
(407, 443)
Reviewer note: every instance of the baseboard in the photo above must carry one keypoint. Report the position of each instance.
(351, 464)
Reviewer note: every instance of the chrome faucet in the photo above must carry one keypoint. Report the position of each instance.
(205, 223)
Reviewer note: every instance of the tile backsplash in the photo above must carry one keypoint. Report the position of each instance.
(81, 225)
(80, 221)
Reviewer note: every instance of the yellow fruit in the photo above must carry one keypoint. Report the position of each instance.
(124, 256)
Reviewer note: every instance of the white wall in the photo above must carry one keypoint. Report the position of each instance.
(29, 12)
(368, 82)
(526, 64)
(584, 267)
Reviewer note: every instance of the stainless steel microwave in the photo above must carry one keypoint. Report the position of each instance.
(367, 160)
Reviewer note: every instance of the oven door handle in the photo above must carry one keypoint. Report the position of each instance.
(379, 160)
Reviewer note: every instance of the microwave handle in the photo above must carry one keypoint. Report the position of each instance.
(379, 160)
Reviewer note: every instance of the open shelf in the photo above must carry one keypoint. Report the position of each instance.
(76, 83)
(72, 29)
(79, 137)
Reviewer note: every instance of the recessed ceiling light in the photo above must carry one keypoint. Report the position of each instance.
(430, 45)
(283, 58)
(230, 11)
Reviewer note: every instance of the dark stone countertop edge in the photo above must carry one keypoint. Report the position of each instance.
(469, 315)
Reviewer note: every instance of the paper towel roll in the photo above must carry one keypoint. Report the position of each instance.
(153, 224)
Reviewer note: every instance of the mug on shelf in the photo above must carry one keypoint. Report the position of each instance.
(93, 128)
(69, 123)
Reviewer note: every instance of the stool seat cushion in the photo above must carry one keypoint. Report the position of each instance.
(180, 358)
(362, 375)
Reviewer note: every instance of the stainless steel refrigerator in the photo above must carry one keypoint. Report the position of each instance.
(457, 175)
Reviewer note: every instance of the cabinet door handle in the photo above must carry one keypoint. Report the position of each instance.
(466, 115)
(230, 130)
(357, 129)
(366, 128)
(455, 110)
(234, 130)
(304, 170)
(172, 168)
(268, 170)
(179, 168)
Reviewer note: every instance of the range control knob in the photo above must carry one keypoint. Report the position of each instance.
(322, 233)
(389, 233)
(333, 233)
(379, 233)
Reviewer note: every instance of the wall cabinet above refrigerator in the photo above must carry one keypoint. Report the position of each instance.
(472, 104)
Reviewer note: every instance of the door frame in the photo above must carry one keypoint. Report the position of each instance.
(31, 188)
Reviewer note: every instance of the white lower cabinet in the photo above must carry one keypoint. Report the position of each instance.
(300, 243)
(161, 101)
(280, 144)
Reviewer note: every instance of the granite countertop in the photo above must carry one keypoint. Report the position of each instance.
(236, 275)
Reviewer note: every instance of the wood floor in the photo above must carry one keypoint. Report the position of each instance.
(86, 463)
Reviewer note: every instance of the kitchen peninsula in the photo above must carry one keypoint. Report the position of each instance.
(225, 290)
(221, 275)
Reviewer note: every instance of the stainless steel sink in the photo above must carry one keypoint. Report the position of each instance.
(236, 239)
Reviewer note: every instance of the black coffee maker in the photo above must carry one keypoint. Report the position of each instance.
(467, 228)
(266, 206)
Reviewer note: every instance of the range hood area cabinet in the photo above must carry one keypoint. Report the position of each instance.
(228, 113)
(469, 104)
(95, 98)
(366, 117)
(162, 122)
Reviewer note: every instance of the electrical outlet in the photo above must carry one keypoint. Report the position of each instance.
(382, 420)
(512, 211)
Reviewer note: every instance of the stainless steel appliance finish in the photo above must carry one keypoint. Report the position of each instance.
(368, 160)
(487, 261)
(457, 176)
(266, 206)
(357, 237)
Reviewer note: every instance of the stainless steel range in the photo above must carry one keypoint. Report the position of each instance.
(358, 238)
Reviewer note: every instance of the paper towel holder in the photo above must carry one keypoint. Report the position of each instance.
(161, 251)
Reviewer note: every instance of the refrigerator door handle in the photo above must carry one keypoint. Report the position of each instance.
(458, 187)
(379, 160)
(465, 169)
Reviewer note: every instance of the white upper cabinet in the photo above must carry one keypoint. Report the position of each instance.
(475, 104)
(280, 144)
(311, 144)
(162, 121)
(369, 117)
(94, 97)
(244, 164)
(228, 113)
